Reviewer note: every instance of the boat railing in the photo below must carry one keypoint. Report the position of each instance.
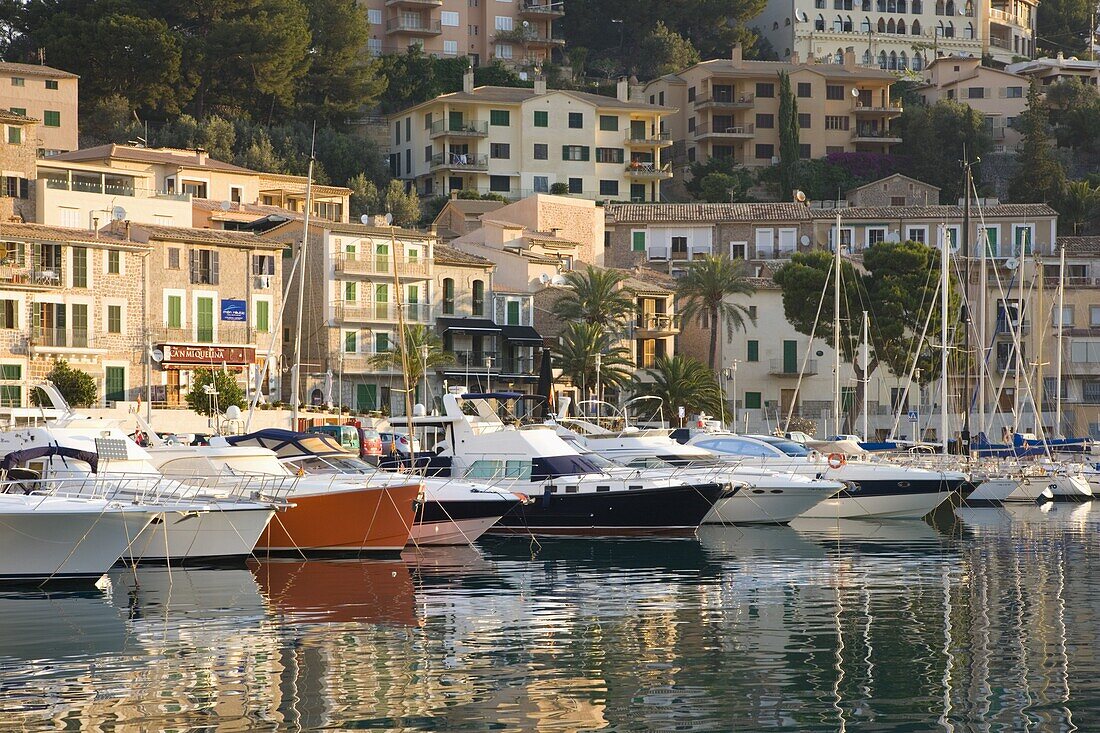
(168, 492)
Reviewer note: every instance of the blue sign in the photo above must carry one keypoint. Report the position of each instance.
(912, 416)
(234, 310)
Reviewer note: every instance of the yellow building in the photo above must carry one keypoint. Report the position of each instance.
(729, 108)
(518, 141)
(998, 95)
(48, 95)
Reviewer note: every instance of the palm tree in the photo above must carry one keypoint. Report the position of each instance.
(681, 381)
(703, 289)
(1079, 204)
(595, 295)
(575, 355)
(424, 349)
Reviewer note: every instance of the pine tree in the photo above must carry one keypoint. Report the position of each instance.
(788, 137)
(1039, 177)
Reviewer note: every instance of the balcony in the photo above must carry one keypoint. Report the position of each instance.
(350, 263)
(104, 185)
(894, 109)
(542, 11)
(460, 162)
(468, 128)
(353, 312)
(527, 37)
(30, 277)
(223, 335)
(413, 26)
(1006, 18)
(656, 325)
(414, 4)
(649, 140)
(649, 171)
(779, 368)
(62, 339)
(724, 132)
(461, 360)
(721, 102)
(874, 135)
(521, 366)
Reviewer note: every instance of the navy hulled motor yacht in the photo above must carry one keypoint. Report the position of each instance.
(872, 488)
(572, 493)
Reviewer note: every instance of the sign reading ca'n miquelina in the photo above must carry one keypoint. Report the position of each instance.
(211, 355)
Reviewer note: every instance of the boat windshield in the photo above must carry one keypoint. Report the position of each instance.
(332, 464)
(554, 466)
(790, 447)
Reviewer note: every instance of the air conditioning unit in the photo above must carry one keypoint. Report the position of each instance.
(263, 282)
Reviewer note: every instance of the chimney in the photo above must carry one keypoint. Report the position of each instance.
(540, 86)
(849, 58)
(454, 195)
(809, 57)
(622, 90)
(795, 58)
(378, 220)
(468, 80)
(735, 55)
(200, 155)
(127, 230)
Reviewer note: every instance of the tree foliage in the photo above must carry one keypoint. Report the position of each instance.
(936, 138)
(718, 180)
(575, 354)
(228, 391)
(77, 387)
(422, 350)
(1039, 176)
(1062, 26)
(1078, 207)
(665, 51)
(597, 296)
(681, 381)
(788, 137)
(1074, 110)
(703, 291)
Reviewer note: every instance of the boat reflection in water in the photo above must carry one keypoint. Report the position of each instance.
(985, 620)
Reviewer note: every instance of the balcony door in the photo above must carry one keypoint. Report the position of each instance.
(790, 357)
(204, 320)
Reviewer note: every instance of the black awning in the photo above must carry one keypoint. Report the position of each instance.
(467, 325)
(521, 334)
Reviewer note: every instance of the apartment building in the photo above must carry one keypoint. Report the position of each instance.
(212, 302)
(47, 95)
(72, 295)
(519, 141)
(1000, 96)
(128, 176)
(1054, 70)
(519, 32)
(17, 166)
(900, 34)
(729, 108)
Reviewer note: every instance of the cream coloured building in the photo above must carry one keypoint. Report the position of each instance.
(729, 108)
(900, 34)
(998, 95)
(517, 32)
(518, 141)
(48, 95)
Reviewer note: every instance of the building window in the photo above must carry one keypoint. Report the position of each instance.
(263, 264)
(542, 151)
(976, 92)
(51, 83)
(175, 311)
(51, 118)
(752, 400)
(836, 122)
(502, 151)
(477, 298)
(9, 313)
(448, 18)
(499, 117)
(610, 155)
(15, 135)
(766, 90)
(765, 152)
(875, 235)
(80, 267)
(448, 296)
(765, 121)
(18, 81)
(114, 262)
(834, 91)
(263, 316)
(19, 111)
(637, 242)
(1067, 317)
(576, 185)
(374, 16)
(576, 120)
(752, 352)
(804, 89)
(512, 313)
(804, 151)
(804, 121)
(350, 292)
(609, 188)
(917, 234)
(11, 385)
(381, 343)
(1014, 92)
(500, 183)
(897, 201)
(542, 118)
(204, 266)
(679, 245)
(609, 123)
(114, 319)
(427, 153)
(1094, 315)
(575, 152)
(351, 342)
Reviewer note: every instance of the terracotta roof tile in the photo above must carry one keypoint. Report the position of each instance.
(170, 156)
(1077, 246)
(189, 234)
(35, 70)
(11, 230)
(706, 213)
(451, 256)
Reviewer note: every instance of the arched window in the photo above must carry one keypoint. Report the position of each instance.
(949, 9)
(848, 24)
(838, 57)
(891, 27)
(949, 30)
(939, 7)
(881, 25)
(866, 6)
(893, 60)
(882, 59)
(880, 6)
(918, 7)
(867, 58)
(478, 298)
(819, 24)
(901, 26)
(939, 29)
(448, 296)
(903, 61)
(918, 62)
(915, 28)
(969, 32)
(891, 6)
(865, 26)
(902, 6)
(838, 24)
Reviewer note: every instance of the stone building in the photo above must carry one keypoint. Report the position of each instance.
(895, 190)
(50, 97)
(17, 163)
(461, 216)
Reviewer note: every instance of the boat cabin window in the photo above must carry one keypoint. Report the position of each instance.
(518, 469)
(485, 469)
(647, 462)
(790, 447)
(738, 447)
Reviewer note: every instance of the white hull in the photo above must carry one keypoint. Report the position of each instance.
(745, 507)
(992, 491)
(893, 506)
(204, 535)
(450, 532)
(53, 543)
(1061, 488)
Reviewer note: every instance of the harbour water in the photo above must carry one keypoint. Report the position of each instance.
(985, 619)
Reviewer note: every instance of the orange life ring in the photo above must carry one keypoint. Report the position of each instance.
(836, 460)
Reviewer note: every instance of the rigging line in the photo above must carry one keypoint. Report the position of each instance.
(805, 359)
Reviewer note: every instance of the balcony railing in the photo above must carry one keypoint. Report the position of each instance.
(461, 161)
(895, 107)
(455, 128)
(14, 274)
(524, 365)
(83, 186)
(779, 368)
(475, 360)
(874, 134)
(658, 323)
(72, 338)
(1008, 325)
(724, 101)
(648, 170)
(649, 138)
(367, 312)
(1005, 17)
(707, 128)
(414, 3)
(352, 263)
(546, 10)
(413, 25)
(528, 36)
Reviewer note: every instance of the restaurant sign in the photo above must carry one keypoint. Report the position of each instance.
(211, 355)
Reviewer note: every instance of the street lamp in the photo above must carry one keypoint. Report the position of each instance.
(731, 374)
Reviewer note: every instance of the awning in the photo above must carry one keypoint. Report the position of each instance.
(521, 335)
(467, 325)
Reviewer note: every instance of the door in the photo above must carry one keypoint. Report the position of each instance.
(114, 388)
(366, 397)
(637, 192)
(456, 121)
(173, 390)
(788, 397)
(204, 320)
(80, 326)
(637, 130)
(790, 357)
(382, 302)
(382, 258)
(513, 313)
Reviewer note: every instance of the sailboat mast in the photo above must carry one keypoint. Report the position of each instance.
(866, 375)
(945, 244)
(1058, 344)
(966, 320)
(983, 285)
(296, 365)
(836, 324)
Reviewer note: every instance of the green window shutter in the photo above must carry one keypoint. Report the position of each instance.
(350, 345)
(114, 384)
(542, 118)
(204, 320)
(366, 397)
(499, 117)
(753, 353)
(15, 135)
(513, 313)
(175, 311)
(637, 242)
(51, 118)
(752, 400)
(414, 295)
(262, 316)
(349, 291)
(114, 319)
(381, 342)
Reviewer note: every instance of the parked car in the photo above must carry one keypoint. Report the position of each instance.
(398, 443)
(364, 442)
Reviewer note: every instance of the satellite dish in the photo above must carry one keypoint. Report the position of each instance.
(526, 24)
(805, 240)
(389, 219)
(419, 410)
(1012, 263)
(800, 196)
(232, 413)
(225, 206)
(156, 355)
(365, 219)
(855, 92)
(544, 278)
(557, 281)
(893, 237)
(118, 213)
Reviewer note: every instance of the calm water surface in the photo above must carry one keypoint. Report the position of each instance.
(982, 620)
